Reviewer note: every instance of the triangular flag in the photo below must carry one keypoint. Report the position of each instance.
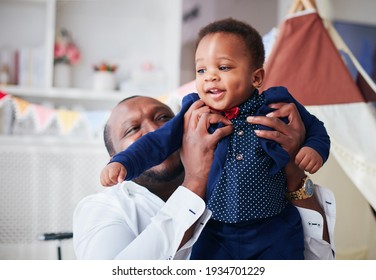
(67, 120)
(96, 121)
(22, 107)
(2, 94)
(43, 116)
(3, 97)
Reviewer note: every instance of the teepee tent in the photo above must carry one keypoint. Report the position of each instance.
(306, 58)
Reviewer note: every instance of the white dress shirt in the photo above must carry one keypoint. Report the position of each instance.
(129, 222)
(315, 247)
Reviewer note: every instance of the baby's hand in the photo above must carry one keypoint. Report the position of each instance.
(113, 174)
(309, 160)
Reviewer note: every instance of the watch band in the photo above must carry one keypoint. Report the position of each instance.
(305, 190)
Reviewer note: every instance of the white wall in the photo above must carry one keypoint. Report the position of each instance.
(360, 11)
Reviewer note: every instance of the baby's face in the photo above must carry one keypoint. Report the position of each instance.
(224, 76)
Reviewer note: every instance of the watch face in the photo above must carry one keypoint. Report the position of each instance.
(309, 187)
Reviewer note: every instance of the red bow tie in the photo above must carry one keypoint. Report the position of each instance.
(232, 113)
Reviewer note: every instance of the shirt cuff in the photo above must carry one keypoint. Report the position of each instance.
(184, 206)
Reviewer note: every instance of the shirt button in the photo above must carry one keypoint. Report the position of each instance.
(239, 157)
(240, 133)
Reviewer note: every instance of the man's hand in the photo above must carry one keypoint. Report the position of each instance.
(291, 135)
(198, 145)
(113, 174)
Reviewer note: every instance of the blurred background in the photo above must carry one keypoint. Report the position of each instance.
(64, 65)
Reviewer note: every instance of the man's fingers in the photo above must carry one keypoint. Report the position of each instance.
(188, 115)
(194, 113)
(288, 110)
(271, 135)
(195, 106)
(205, 116)
(282, 109)
(219, 133)
(213, 118)
(266, 121)
(277, 105)
(280, 128)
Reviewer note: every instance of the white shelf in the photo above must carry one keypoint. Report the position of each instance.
(62, 93)
(69, 98)
(49, 141)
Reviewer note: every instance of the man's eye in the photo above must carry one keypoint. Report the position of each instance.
(164, 118)
(131, 130)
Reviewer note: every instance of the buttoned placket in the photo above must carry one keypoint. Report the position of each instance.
(237, 141)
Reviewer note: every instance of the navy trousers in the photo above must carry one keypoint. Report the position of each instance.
(276, 238)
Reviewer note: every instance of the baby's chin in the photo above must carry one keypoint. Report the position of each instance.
(215, 106)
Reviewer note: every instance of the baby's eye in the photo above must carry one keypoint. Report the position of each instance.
(201, 71)
(224, 68)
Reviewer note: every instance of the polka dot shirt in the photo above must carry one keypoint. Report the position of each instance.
(246, 190)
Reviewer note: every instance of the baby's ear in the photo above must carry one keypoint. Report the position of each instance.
(258, 77)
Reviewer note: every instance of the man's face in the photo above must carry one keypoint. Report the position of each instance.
(134, 118)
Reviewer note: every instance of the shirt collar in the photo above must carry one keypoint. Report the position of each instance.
(250, 106)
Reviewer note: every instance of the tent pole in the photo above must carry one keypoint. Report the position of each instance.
(301, 5)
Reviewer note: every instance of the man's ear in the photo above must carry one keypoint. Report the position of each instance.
(258, 77)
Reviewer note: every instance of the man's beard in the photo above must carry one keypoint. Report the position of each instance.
(165, 175)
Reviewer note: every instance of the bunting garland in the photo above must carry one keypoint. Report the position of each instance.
(47, 121)
(22, 107)
(67, 120)
(96, 121)
(43, 116)
(44, 120)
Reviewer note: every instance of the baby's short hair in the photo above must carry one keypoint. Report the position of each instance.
(251, 37)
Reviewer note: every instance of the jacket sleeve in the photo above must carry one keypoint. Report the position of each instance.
(154, 147)
(316, 135)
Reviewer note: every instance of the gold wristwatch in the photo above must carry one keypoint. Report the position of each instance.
(305, 191)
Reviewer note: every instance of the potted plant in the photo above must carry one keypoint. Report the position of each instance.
(66, 54)
(104, 78)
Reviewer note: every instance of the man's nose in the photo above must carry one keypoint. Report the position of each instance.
(150, 126)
